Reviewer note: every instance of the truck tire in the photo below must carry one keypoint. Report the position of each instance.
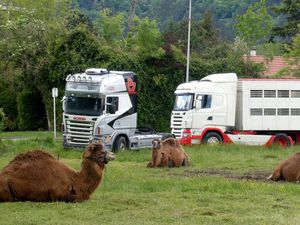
(212, 138)
(281, 139)
(120, 144)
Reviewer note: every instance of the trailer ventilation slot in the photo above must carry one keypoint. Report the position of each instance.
(256, 112)
(256, 93)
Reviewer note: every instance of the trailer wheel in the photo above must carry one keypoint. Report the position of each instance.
(120, 144)
(212, 138)
(282, 140)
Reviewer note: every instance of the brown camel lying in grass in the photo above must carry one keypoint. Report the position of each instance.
(168, 153)
(288, 170)
(38, 176)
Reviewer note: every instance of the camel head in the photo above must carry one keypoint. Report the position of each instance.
(97, 153)
(156, 144)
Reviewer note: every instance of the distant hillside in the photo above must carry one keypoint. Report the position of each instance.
(223, 11)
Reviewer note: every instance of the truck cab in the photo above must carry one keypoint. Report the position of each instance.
(102, 105)
(205, 104)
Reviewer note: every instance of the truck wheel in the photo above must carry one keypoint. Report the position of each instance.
(282, 140)
(212, 138)
(120, 144)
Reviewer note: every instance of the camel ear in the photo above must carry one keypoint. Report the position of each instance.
(88, 151)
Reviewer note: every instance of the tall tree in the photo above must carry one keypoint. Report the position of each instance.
(131, 15)
(110, 27)
(290, 9)
(293, 55)
(26, 28)
(145, 37)
(255, 25)
(2, 117)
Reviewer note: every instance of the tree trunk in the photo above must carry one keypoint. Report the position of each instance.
(131, 13)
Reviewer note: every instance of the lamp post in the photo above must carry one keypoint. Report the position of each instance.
(188, 44)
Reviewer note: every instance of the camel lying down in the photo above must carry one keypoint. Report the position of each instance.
(168, 153)
(288, 170)
(38, 176)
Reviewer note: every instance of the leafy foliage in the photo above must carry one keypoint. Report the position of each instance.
(291, 10)
(255, 25)
(31, 115)
(110, 27)
(2, 118)
(62, 42)
(293, 55)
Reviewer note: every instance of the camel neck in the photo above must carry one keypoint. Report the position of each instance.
(88, 178)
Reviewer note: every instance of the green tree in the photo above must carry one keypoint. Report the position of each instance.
(255, 25)
(75, 51)
(2, 118)
(76, 18)
(145, 38)
(109, 27)
(8, 96)
(290, 9)
(293, 55)
(204, 34)
(26, 28)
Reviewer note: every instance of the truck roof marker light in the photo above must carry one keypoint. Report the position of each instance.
(78, 78)
(84, 78)
(72, 78)
(90, 79)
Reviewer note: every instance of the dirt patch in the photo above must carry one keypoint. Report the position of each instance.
(260, 175)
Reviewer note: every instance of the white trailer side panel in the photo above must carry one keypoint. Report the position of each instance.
(268, 104)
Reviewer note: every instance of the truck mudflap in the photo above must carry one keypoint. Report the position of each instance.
(280, 139)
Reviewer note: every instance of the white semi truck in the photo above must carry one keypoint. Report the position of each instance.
(223, 108)
(102, 105)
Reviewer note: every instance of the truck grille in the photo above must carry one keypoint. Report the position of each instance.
(79, 132)
(176, 123)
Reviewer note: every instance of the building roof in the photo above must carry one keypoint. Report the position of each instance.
(273, 66)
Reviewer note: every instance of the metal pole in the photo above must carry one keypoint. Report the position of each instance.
(54, 117)
(188, 44)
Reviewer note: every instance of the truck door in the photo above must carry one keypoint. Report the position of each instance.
(202, 113)
(210, 110)
(111, 108)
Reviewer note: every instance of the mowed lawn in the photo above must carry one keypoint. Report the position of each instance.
(223, 185)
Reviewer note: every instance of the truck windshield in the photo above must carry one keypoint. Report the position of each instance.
(84, 106)
(183, 102)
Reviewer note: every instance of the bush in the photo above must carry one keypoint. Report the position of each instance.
(31, 112)
(2, 118)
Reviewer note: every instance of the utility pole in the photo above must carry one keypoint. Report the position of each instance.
(188, 44)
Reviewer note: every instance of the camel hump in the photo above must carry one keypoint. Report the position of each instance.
(171, 142)
(33, 156)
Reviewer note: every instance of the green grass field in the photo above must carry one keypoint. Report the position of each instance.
(224, 185)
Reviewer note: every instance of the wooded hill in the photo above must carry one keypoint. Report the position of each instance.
(223, 12)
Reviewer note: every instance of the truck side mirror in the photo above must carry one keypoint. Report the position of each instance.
(63, 100)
